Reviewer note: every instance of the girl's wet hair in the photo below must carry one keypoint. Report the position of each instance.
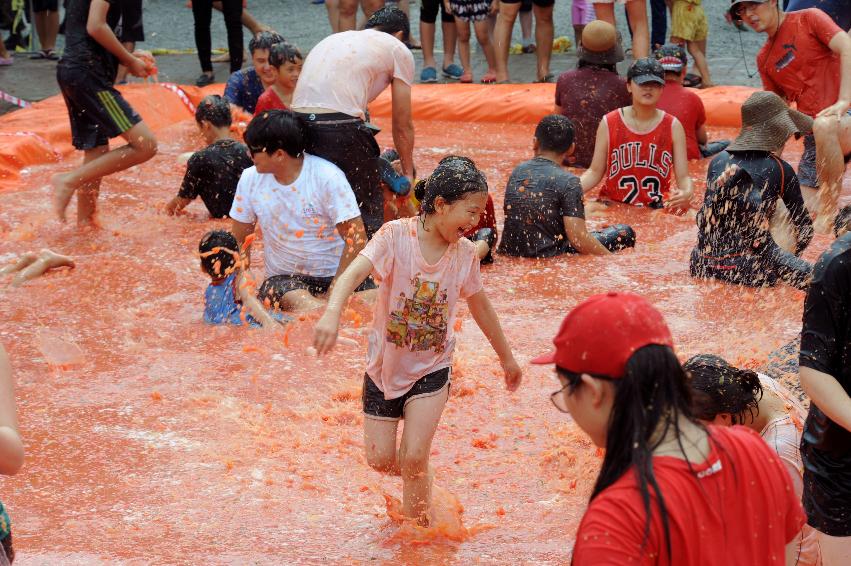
(284, 52)
(651, 397)
(217, 249)
(452, 179)
(720, 388)
(215, 110)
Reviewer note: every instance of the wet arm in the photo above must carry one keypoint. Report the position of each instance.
(701, 135)
(485, 317)
(241, 231)
(594, 174)
(11, 446)
(354, 235)
(176, 204)
(100, 31)
(403, 126)
(581, 239)
(841, 45)
(325, 331)
(798, 214)
(248, 295)
(828, 395)
(681, 199)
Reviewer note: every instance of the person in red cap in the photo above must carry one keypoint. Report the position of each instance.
(670, 488)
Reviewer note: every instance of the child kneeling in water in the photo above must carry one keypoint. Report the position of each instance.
(425, 266)
(229, 298)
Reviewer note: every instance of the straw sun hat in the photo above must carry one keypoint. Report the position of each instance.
(767, 123)
(600, 44)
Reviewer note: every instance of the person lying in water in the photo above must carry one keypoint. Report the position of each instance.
(230, 297)
(743, 187)
(544, 209)
(32, 265)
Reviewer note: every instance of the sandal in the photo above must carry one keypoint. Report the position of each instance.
(489, 78)
(48, 54)
(548, 78)
(467, 77)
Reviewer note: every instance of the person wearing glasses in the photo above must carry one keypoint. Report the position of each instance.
(307, 212)
(670, 487)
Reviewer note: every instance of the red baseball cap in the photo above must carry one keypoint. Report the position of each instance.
(601, 333)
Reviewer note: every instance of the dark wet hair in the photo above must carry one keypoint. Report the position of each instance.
(842, 221)
(284, 53)
(608, 67)
(452, 179)
(216, 263)
(719, 388)
(215, 110)
(555, 133)
(651, 396)
(273, 130)
(264, 40)
(390, 19)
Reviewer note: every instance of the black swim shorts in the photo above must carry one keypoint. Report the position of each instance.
(45, 6)
(377, 407)
(97, 111)
(274, 288)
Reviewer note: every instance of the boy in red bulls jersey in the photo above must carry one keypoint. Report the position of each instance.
(639, 148)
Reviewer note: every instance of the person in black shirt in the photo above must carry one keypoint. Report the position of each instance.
(544, 211)
(743, 186)
(97, 111)
(825, 374)
(213, 172)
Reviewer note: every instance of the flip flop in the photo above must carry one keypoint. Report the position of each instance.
(548, 78)
(489, 78)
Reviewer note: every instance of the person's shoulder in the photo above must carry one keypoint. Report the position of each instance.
(322, 167)
(835, 263)
(250, 176)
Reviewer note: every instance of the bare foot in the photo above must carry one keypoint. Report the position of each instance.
(62, 193)
(23, 261)
(54, 259)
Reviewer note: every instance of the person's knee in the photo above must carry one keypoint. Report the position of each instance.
(146, 145)
(348, 8)
(413, 461)
(825, 128)
(381, 460)
(463, 33)
(543, 16)
(482, 35)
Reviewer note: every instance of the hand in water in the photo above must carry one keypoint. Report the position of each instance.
(678, 202)
(325, 333)
(836, 110)
(513, 374)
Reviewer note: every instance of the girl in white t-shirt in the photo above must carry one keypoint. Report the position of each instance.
(423, 265)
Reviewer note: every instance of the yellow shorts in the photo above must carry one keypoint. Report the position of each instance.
(689, 21)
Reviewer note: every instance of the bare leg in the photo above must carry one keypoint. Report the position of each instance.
(299, 300)
(333, 7)
(404, 5)
(833, 142)
(700, 62)
(577, 34)
(450, 38)
(427, 35)
(47, 259)
(23, 262)
(87, 194)
(348, 11)
(47, 27)
(502, 38)
(544, 39)
(637, 11)
(252, 23)
(141, 146)
(484, 38)
(605, 12)
(379, 441)
(526, 27)
(463, 30)
(369, 7)
(422, 416)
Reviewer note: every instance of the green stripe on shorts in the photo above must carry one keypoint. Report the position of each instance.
(114, 110)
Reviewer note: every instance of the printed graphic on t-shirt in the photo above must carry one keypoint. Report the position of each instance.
(632, 155)
(787, 57)
(420, 323)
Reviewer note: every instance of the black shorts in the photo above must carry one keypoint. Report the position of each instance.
(97, 111)
(827, 491)
(538, 3)
(350, 145)
(377, 407)
(274, 288)
(45, 6)
(428, 12)
(127, 22)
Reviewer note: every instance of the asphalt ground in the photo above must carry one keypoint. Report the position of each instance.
(169, 27)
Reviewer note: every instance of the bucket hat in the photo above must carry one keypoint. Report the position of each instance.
(600, 44)
(767, 122)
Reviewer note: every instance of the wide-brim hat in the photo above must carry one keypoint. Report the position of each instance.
(601, 44)
(767, 122)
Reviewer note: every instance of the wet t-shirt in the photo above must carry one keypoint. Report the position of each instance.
(243, 89)
(538, 195)
(585, 95)
(734, 217)
(213, 174)
(412, 331)
(82, 52)
(687, 107)
(826, 347)
(269, 100)
(222, 305)
(797, 63)
(742, 487)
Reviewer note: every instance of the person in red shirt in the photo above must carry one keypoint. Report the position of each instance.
(671, 490)
(683, 104)
(807, 60)
(287, 61)
(639, 148)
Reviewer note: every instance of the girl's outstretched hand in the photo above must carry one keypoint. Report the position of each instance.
(325, 332)
(513, 374)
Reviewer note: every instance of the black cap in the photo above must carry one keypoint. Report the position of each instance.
(672, 57)
(646, 70)
(734, 7)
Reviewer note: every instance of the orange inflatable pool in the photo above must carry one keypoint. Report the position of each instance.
(153, 438)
